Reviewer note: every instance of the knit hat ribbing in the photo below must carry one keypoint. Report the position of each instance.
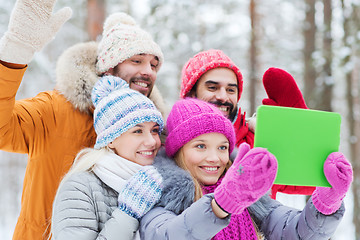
(190, 118)
(122, 39)
(119, 108)
(203, 62)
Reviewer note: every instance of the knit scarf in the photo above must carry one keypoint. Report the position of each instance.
(240, 227)
(114, 170)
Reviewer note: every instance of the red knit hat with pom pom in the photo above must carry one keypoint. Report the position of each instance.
(203, 62)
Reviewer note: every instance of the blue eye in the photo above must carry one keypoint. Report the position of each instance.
(200, 146)
(223, 147)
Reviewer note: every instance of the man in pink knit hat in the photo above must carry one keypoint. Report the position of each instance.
(213, 77)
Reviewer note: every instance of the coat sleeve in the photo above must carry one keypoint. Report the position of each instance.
(242, 131)
(277, 221)
(75, 215)
(196, 222)
(10, 80)
(20, 120)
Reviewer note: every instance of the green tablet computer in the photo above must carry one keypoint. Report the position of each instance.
(300, 139)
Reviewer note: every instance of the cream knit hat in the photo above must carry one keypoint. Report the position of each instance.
(122, 39)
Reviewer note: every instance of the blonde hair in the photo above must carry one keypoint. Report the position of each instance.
(84, 161)
(180, 161)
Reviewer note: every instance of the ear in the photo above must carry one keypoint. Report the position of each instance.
(109, 72)
(111, 145)
(192, 92)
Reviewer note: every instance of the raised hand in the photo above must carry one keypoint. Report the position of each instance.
(339, 173)
(32, 25)
(249, 178)
(282, 89)
(141, 192)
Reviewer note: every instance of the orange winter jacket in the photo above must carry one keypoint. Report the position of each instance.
(51, 132)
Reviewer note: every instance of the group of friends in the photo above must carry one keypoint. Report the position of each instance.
(106, 160)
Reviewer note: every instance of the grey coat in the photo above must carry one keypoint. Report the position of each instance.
(197, 221)
(86, 208)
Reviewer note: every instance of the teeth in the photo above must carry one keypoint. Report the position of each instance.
(147, 153)
(141, 84)
(224, 109)
(210, 168)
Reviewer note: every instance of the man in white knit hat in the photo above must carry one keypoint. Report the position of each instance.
(53, 126)
(127, 46)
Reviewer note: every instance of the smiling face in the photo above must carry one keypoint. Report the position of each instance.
(218, 86)
(139, 71)
(206, 157)
(139, 144)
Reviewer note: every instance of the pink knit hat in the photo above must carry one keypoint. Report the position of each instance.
(203, 62)
(190, 118)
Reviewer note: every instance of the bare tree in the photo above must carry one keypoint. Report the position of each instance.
(95, 18)
(352, 76)
(254, 16)
(327, 83)
(309, 49)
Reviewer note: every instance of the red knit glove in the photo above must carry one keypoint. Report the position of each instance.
(242, 131)
(249, 178)
(282, 89)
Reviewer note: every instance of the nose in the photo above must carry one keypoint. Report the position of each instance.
(222, 95)
(213, 156)
(146, 69)
(150, 140)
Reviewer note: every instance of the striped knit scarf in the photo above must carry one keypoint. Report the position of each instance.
(240, 227)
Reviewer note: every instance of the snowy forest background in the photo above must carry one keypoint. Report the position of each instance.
(317, 41)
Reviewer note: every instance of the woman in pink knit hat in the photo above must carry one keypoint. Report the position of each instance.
(204, 196)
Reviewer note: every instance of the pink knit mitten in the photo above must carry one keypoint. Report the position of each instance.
(249, 178)
(338, 172)
(282, 89)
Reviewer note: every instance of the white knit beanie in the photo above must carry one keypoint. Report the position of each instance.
(122, 39)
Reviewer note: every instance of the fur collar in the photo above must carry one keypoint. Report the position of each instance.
(76, 76)
(178, 186)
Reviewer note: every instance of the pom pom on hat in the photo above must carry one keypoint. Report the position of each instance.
(118, 18)
(203, 62)
(119, 108)
(107, 86)
(123, 38)
(190, 118)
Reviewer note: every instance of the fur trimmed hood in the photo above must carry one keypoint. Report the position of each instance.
(178, 187)
(76, 76)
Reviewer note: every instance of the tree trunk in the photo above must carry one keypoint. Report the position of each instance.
(350, 26)
(253, 55)
(95, 18)
(309, 49)
(328, 82)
